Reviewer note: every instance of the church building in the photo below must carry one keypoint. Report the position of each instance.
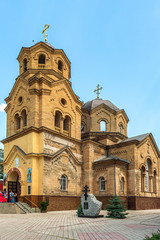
(55, 144)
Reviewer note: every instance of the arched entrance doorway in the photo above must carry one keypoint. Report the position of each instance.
(14, 185)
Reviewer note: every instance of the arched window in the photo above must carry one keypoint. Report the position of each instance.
(142, 178)
(17, 122)
(122, 184)
(24, 118)
(58, 116)
(147, 178)
(60, 65)
(102, 126)
(41, 59)
(149, 166)
(25, 65)
(148, 171)
(66, 125)
(63, 183)
(121, 128)
(102, 184)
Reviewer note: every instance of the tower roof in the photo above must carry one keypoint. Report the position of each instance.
(48, 44)
(42, 44)
(90, 105)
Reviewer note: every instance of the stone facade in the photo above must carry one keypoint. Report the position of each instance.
(55, 144)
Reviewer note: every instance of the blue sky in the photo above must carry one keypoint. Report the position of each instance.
(113, 43)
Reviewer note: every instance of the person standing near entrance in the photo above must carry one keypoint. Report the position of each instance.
(12, 196)
(5, 194)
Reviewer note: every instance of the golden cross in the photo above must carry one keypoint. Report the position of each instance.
(45, 29)
(97, 90)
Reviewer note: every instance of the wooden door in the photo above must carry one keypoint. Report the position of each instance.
(18, 189)
(12, 187)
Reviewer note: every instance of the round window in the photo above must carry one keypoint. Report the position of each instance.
(63, 101)
(20, 99)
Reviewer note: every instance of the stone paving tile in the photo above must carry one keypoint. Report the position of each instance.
(66, 225)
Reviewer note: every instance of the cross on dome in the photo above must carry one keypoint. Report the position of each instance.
(97, 90)
(44, 31)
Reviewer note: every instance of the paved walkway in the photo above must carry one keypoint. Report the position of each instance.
(66, 225)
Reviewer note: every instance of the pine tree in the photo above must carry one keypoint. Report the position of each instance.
(116, 209)
(80, 211)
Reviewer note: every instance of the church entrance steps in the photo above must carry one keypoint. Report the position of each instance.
(6, 208)
(26, 208)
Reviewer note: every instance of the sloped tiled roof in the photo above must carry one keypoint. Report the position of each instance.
(138, 138)
(96, 102)
(48, 44)
(111, 157)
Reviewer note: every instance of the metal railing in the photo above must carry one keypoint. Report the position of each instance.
(30, 203)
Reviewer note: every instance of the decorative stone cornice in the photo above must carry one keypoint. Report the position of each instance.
(113, 136)
(39, 130)
(124, 114)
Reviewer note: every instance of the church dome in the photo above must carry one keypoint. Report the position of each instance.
(90, 105)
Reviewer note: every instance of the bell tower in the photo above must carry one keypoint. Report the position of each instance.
(43, 121)
(42, 95)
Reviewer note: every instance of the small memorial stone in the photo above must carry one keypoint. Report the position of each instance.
(94, 206)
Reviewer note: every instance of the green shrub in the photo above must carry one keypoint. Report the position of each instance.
(116, 209)
(155, 236)
(80, 210)
(44, 205)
